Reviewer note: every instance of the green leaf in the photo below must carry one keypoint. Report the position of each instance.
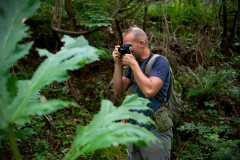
(73, 55)
(12, 17)
(23, 133)
(46, 107)
(11, 86)
(104, 131)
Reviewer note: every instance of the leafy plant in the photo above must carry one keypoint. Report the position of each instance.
(15, 109)
(208, 81)
(92, 14)
(220, 147)
(104, 131)
(74, 54)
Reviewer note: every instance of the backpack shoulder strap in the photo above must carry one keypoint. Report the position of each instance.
(148, 66)
(132, 79)
(171, 84)
(147, 72)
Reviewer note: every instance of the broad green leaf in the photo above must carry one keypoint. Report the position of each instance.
(11, 86)
(22, 133)
(12, 30)
(74, 54)
(104, 130)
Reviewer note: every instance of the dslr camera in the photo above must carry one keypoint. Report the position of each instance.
(124, 49)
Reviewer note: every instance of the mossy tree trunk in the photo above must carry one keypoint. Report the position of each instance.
(71, 13)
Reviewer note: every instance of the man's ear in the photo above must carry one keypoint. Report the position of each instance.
(142, 43)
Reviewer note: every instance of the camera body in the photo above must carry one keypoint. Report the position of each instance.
(124, 49)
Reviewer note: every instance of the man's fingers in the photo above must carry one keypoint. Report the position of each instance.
(130, 49)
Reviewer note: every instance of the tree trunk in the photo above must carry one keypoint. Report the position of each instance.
(235, 25)
(119, 31)
(57, 19)
(71, 13)
(145, 18)
(224, 37)
(227, 42)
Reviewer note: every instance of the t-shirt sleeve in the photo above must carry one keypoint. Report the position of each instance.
(160, 68)
(128, 73)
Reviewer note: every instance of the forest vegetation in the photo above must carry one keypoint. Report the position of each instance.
(56, 69)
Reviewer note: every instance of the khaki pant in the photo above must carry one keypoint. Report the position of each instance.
(154, 151)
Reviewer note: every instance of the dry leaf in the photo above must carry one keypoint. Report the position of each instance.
(24, 19)
(43, 99)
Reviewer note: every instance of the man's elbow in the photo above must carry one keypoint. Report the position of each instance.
(150, 94)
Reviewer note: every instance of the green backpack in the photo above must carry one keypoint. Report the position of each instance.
(168, 113)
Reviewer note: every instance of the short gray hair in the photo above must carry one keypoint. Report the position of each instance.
(138, 34)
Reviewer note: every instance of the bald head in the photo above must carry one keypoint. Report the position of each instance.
(138, 34)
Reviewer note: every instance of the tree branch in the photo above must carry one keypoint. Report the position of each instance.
(119, 31)
(127, 8)
(117, 11)
(89, 31)
(128, 15)
(73, 32)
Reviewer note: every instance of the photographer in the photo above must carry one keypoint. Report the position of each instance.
(147, 87)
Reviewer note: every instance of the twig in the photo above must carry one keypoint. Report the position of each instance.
(72, 87)
(183, 147)
(77, 97)
(2, 157)
(70, 73)
(120, 20)
(70, 90)
(13, 71)
(107, 153)
(58, 140)
(174, 33)
(127, 8)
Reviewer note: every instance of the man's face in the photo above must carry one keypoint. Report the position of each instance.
(129, 39)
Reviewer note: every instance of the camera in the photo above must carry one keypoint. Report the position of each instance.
(124, 49)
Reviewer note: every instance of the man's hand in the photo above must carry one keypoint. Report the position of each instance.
(117, 56)
(129, 59)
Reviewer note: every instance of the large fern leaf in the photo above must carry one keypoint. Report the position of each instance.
(74, 54)
(12, 30)
(104, 131)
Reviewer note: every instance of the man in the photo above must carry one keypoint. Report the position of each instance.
(159, 79)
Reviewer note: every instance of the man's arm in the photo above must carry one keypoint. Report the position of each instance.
(120, 84)
(149, 86)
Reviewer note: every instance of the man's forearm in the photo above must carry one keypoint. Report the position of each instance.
(117, 80)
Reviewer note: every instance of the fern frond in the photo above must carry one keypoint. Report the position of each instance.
(194, 92)
(202, 71)
(196, 77)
